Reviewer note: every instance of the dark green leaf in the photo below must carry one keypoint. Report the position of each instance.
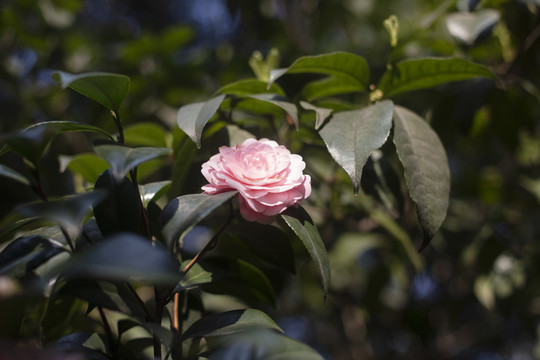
(119, 210)
(329, 86)
(92, 345)
(230, 322)
(108, 89)
(25, 254)
(417, 74)
(197, 276)
(68, 212)
(184, 153)
(262, 344)
(110, 295)
(32, 141)
(12, 174)
(88, 165)
(351, 136)
(468, 26)
(125, 256)
(426, 168)
(186, 211)
(346, 68)
(321, 114)
(192, 118)
(302, 225)
(250, 87)
(123, 159)
(279, 101)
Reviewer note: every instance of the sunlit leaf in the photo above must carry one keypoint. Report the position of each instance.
(230, 322)
(250, 87)
(329, 86)
(321, 114)
(426, 168)
(192, 118)
(153, 191)
(346, 68)
(409, 75)
(125, 256)
(145, 134)
(88, 165)
(468, 26)
(14, 175)
(302, 225)
(108, 89)
(285, 104)
(186, 211)
(123, 159)
(351, 136)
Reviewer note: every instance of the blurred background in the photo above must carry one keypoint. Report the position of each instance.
(479, 294)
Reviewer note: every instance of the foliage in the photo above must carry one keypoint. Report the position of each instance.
(108, 250)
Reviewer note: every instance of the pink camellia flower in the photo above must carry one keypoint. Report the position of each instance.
(267, 176)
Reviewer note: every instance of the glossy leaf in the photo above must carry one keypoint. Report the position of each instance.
(346, 68)
(68, 212)
(123, 159)
(321, 114)
(289, 107)
(119, 210)
(153, 191)
(351, 136)
(197, 276)
(192, 118)
(186, 211)
(125, 256)
(25, 254)
(250, 87)
(468, 26)
(230, 322)
(426, 168)
(32, 141)
(263, 344)
(410, 75)
(14, 175)
(108, 89)
(302, 225)
(329, 86)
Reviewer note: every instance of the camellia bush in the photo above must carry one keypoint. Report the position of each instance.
(227, 205)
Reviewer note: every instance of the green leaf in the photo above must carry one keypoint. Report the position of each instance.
(108, 89)
(123, 159)
(250, 87)
(279, 101)
(32, 141)
(347, 69)
(125, 256)
(153, 191)
(14, 175)
(351, 136)
(237, 135)
(468, 26)
(302, 225)
(25, 254)
(146, 134)
(197, 276)
(321, 114)
(68, 212)
(192, 118)
(329, 86)
(110, 295)
(418, 74)
(88, 165)
(426, 168)
(263, 344)
(230, 322)
(186, 211)
(119, 210)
